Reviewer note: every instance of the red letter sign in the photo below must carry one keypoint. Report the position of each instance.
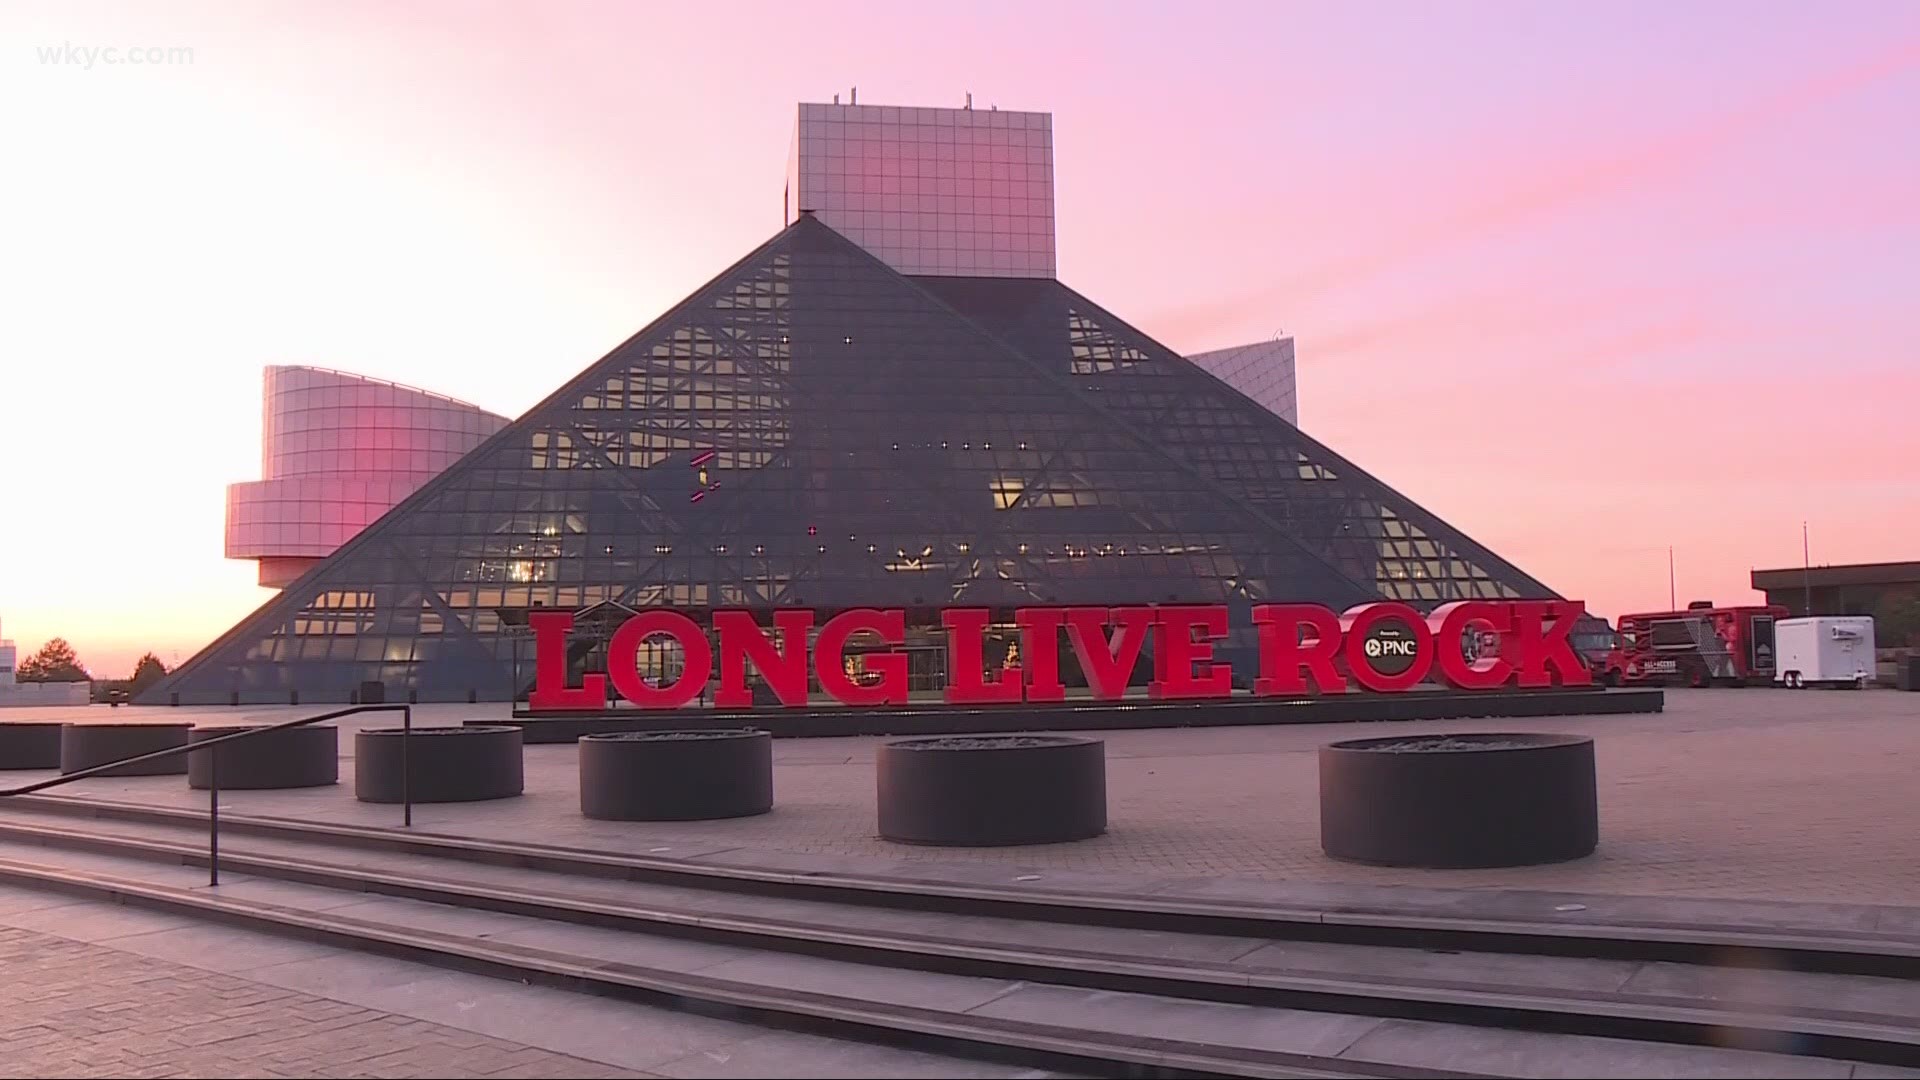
(1040, 647)
(784, 669)
(829, 657)
(1542, 648)
(623, 659)
(1108, 665)
(1304, 648)
(550, 689)
(966, 660)
(1283, 654)
(1451, 623)
(1179, 653)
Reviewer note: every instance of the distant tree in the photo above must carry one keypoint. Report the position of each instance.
(55, 662)
(1897, 622)
(146, 672)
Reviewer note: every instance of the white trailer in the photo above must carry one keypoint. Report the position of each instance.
(1825, 650)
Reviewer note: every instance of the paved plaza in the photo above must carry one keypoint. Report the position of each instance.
(1731, 794)
(100, 989)
(1752, 794)
(71, 1008)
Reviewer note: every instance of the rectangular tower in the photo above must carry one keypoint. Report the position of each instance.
(956, 192)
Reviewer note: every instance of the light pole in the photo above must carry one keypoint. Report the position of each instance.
(1806, 571)
(1673, 599)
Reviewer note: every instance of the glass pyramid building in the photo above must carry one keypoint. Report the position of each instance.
(815, 428)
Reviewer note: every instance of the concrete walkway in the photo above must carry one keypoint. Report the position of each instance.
(1749, 794)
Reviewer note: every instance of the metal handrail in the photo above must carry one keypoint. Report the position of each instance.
(213, 771)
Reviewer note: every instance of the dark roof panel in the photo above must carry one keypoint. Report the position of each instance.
(1886, 573)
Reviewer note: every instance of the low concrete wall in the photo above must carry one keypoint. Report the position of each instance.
(932, 719)
(20, 695)
(1887, 663)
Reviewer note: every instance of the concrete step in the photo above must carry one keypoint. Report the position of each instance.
(1102, 1031)
(1843, 1015)
(1839, 938)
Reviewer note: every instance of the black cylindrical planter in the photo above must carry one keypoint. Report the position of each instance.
(445, 764)
(30, 744)
(676, 775)
(1459, 800)
(293, 758)
(992, 790)
(82, 746)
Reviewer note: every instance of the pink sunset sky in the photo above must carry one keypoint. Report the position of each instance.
(1585, 280)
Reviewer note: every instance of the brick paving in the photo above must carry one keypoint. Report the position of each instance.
(69, 1008)
(1752, 794)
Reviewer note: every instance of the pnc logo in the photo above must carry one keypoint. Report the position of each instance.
(1377, 647)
